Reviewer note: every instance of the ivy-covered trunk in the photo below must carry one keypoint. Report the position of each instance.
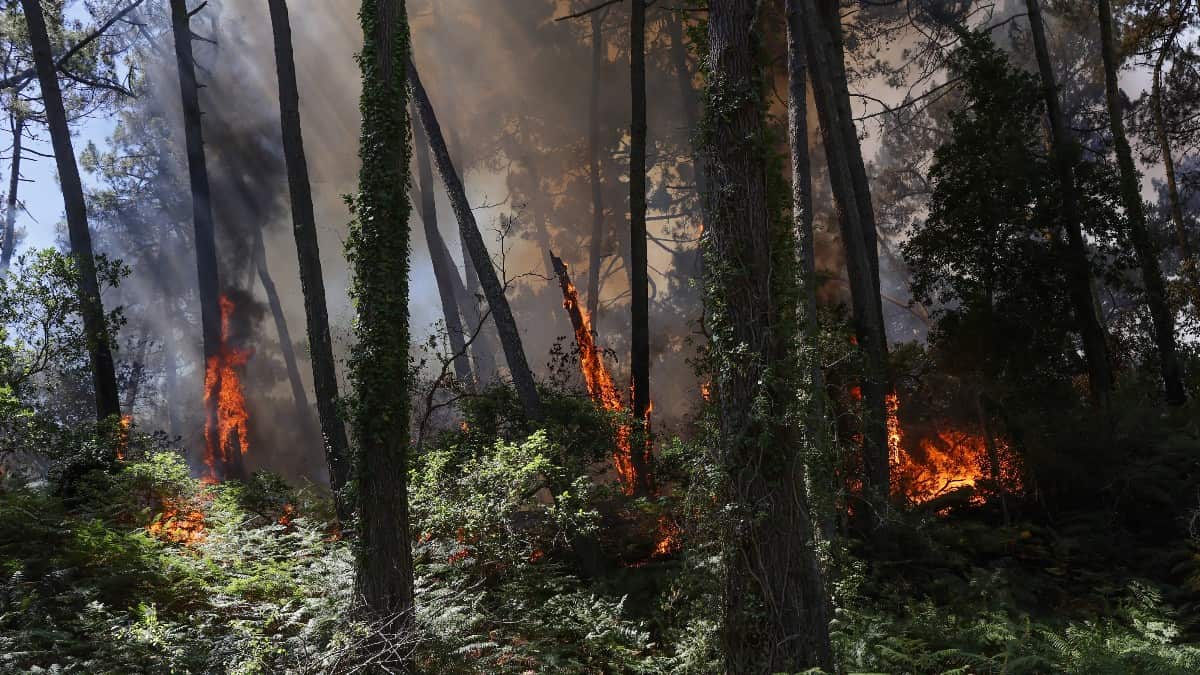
(775, 608)
(379, 252)
(95, 327)
(312, 282)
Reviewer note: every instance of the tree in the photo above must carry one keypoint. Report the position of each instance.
(493, 289)
(379, 249)
(1163, 321)
(104, 379)
(823, 47)
(775, 608)
(639, 274)
(9, 244)
(1079, 275)
(596, 246)
(312, 282)
(443, 264)
(202, 217)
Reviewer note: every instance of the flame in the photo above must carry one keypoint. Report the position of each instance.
(599, 380)
(123, 430)
(178, 525)
(706, 391)
(221, 380)
(669, 536)
(289, 514)
(948, 460)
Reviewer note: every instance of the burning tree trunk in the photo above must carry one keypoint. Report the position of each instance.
(379, 249)
(600, 384)
(439, 255)
(822, 42)
(596, 246)
(1079, 276)
(299, 397)
(1147, 252)
(312, 283)
(775, 607)
(506, 325)
(14, 183)
(639, 275)
(802, 221)
(205, 236)
(104, 378)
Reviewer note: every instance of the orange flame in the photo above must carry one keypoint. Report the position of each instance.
(123, 429)
(669, 536)
(178, 525)
(221, 380)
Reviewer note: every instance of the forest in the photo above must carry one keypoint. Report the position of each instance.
(600, 336)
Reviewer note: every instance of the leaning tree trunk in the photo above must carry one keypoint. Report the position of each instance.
(379, 250)
(493, 289)
(775, 611)
(639, 274)
(439, 256)
(312, 282)
(286, 348)
(14, 184)
(205, 235)
(843, 155)
(802, 222)
(596, 246)
(1079, 275)
(1163, 320)
(104, 379)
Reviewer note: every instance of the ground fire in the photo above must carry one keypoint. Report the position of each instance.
(178, 524)
(223, 385)
(596, 375)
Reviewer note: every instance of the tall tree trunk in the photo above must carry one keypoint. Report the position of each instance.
(843, 154)
(775, 610)
(1079, 275)
(439, 255)
(312, 282)
(137, 370)
(493, 289)
(1190, 266)
(299, 396)
(596, 246)
(205, 234)
(379, 249)
(639, 274)
(14, 184)
(802, 221)
(1156, 297)
(104, 378)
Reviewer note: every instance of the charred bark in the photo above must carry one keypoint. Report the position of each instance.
(1163, 320)
(843, 154)
(439, 255)
(493, 288)
(639, 274)
(379, 249)
(205, 233)
(1079, 275)
(312, 282)
(775, 607)
(91, 308)
(14, 184)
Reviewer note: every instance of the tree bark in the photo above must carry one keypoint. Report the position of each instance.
(312, 282)
(639, 274)
(205, 231)
(493, 289)
(14, 184)
(802, 222)
(104, 378)
(596, 246)
(775, 607)
(379, 249)
(1079, 276)
(439, 255)
(1163, 320)
(843, 154)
